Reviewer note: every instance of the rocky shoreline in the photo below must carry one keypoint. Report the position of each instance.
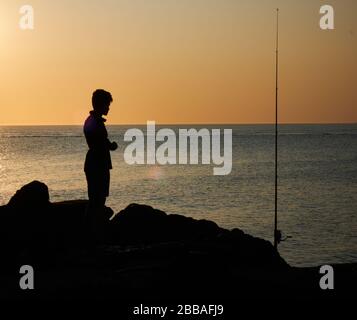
(144, 253)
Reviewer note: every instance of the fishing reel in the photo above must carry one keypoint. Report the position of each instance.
(279, 236)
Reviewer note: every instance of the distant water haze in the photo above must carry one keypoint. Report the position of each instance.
(317, 182)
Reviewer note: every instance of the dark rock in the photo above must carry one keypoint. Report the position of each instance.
(32, 195)
(38, 228)
(143, 253)
(69, 223)
(142, 224)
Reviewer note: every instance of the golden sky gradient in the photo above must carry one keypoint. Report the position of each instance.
(183, 61)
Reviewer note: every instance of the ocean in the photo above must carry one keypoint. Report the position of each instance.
(317, 193)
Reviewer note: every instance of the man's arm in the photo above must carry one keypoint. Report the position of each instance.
(112, 145)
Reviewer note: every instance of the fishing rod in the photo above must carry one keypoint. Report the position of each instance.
(277, 233)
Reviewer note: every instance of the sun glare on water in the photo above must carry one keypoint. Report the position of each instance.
(155, 173)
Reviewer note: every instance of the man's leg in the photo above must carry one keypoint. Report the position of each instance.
(95, 209)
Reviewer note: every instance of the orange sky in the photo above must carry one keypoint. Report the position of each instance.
(187, 61)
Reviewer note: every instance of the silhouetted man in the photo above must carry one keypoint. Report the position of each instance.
(98, 161)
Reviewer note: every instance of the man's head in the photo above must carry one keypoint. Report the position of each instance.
(101, 100)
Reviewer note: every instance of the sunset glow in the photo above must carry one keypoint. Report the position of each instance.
(177, 61)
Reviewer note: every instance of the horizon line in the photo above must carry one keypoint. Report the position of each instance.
(187, 124)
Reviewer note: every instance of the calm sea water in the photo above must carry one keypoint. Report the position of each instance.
(317, 182)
